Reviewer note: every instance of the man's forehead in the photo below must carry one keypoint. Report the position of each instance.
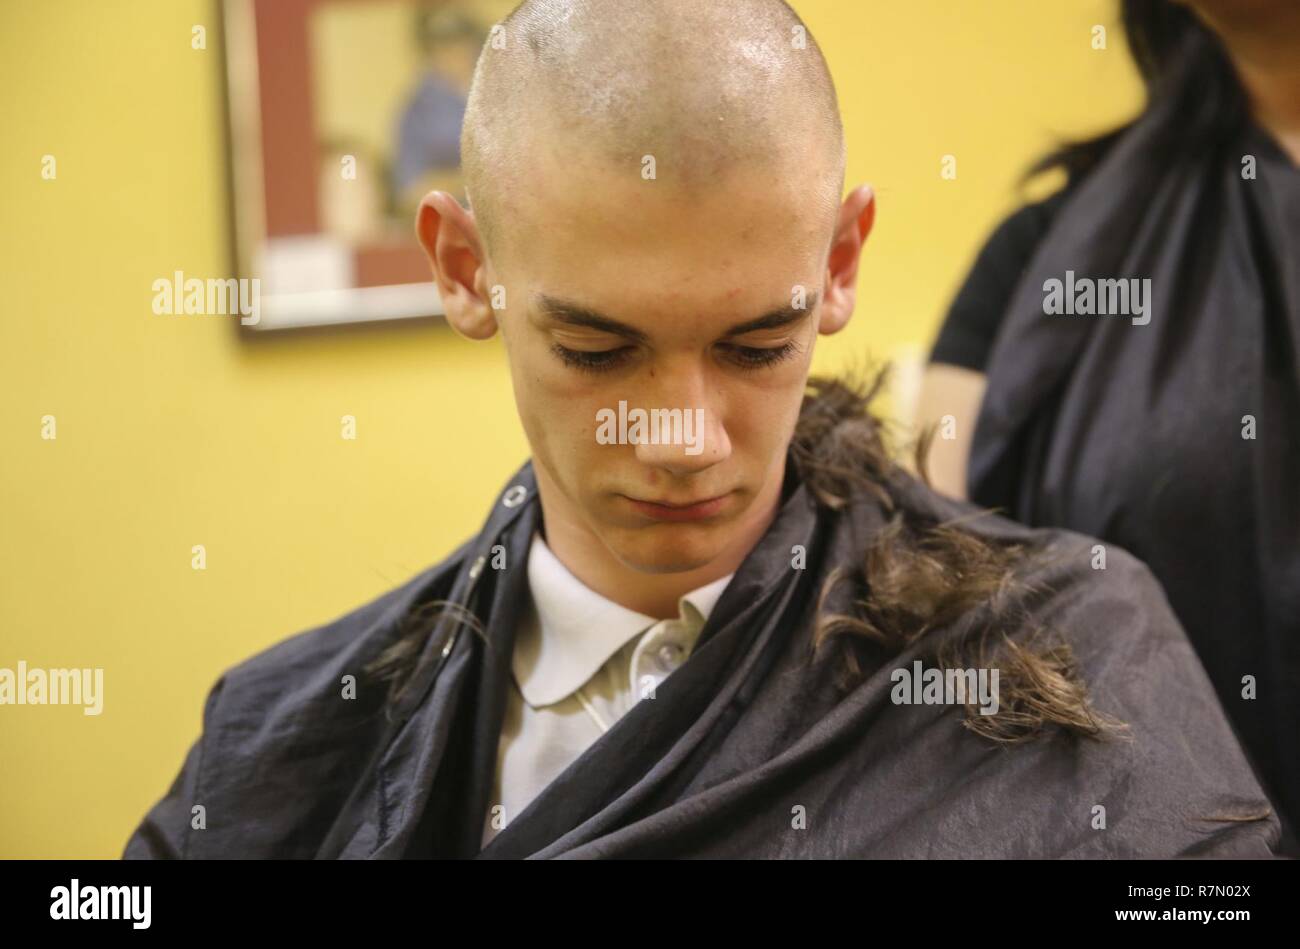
(593, 234)
(558, 174)
(661, 236)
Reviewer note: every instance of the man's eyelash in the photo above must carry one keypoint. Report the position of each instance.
(590, 361)
(748, 357)
(754, 357)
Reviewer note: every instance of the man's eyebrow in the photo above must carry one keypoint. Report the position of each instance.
(775, 319)
(573, 314)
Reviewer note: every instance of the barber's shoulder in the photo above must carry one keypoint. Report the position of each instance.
(1009, 247)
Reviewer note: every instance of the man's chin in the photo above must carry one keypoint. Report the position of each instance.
(666, 548)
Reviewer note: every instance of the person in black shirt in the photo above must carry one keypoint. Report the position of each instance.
(1175, 432)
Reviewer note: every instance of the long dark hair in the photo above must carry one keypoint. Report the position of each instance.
(1184, 66)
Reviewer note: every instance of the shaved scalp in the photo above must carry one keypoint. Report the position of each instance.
(703, 87)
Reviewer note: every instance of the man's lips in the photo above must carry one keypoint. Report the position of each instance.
(678, 511)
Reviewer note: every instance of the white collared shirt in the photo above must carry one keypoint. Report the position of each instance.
(580, 662)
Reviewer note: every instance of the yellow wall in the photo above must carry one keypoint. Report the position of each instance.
(172, 432)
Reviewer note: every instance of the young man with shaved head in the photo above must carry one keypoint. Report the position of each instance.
(709, 617)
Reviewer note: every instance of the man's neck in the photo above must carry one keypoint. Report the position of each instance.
(652, 594)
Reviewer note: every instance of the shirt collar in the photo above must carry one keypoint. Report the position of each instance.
(573, 630)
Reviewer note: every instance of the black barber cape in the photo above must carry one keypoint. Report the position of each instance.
(747, 750)
(1177, 438)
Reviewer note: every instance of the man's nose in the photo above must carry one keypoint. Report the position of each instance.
(684, 432)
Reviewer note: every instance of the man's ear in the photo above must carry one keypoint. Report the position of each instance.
(856, 216)
(450, 238)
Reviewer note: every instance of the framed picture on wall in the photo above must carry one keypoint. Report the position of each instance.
(343, 114)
